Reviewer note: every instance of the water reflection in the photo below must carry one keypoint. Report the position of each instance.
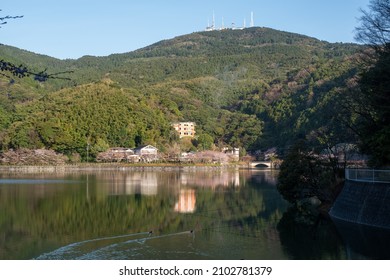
(163, 214)
(211, 179)
(315, 242)
(186, 202)
(144, 183)
(225, 208)
(364, 242)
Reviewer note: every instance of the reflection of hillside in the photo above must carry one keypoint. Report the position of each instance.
(125, 182)
(268, 177)
(55, 211)
(364, 242)
(302, 242)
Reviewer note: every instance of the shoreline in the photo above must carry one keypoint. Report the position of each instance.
(116, 167)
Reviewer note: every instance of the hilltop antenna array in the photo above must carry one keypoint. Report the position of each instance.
(212, 27)
(213, 21)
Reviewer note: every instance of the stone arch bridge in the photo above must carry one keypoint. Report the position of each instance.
(264, 164)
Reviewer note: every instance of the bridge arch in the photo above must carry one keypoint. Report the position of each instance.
(266, 164)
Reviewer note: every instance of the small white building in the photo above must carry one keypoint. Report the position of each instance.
(147, 150)
(234, 153)
(117, 150)
(117, 154)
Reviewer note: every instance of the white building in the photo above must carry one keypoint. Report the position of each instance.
(147, 150)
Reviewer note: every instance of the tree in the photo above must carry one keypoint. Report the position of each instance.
(375, 83)
(375, 127)
(374, 28)
(303, 174)
(205, 141)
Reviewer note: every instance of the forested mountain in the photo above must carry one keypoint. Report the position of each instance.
(254, 88)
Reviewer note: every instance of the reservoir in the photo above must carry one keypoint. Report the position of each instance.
(166, 213)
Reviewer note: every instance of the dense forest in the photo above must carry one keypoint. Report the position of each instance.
(255, 89)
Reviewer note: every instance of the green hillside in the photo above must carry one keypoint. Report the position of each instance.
(254, 88)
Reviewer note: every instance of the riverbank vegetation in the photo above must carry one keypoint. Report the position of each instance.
(359, 114)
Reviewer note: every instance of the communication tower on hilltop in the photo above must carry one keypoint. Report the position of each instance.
(213, 27)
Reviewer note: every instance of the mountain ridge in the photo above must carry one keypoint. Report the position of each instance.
(262, 34)
(255, 41)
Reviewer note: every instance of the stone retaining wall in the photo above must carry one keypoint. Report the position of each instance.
(364, 203)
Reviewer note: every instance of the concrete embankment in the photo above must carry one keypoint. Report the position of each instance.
(365, 203)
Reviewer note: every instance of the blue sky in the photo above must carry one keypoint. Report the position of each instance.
(73, 28)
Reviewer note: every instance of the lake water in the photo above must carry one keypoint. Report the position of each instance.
(164, 214)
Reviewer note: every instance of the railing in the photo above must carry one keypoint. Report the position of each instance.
(368, 175)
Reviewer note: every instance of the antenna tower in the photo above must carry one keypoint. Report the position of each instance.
(213, 26)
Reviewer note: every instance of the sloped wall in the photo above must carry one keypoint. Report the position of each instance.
(363, 203)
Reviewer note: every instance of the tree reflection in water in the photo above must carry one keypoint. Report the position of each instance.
(54, 211)
(233, 214)
(364, 242)
(318, 242)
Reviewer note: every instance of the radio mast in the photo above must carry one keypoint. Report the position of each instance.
(213, 26)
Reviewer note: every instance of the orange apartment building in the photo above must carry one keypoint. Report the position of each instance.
(185, 129)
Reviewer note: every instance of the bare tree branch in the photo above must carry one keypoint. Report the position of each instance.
(3, 20)
(375, 25)
(22, 71)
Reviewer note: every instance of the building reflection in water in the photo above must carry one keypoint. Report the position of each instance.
(186, 202)
(145, 183)
(211, 179)
(184, 184)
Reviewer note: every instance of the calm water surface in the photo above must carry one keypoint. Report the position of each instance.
(165, 214)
